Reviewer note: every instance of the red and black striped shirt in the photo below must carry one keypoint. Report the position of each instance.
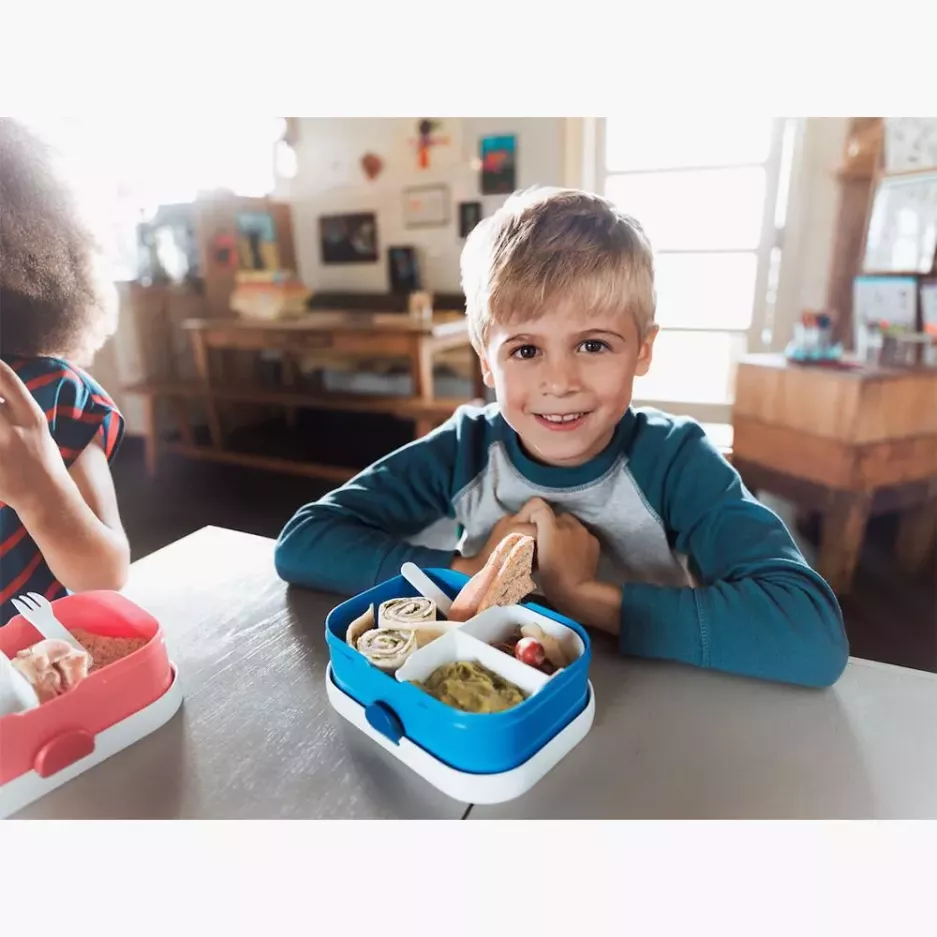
(78, 410)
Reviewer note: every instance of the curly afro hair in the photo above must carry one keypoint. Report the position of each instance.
(53, 298)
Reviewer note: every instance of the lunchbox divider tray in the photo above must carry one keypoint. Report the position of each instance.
(495, 625)
(460, 645)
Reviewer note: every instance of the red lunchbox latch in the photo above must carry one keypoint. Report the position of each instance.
(62, 751)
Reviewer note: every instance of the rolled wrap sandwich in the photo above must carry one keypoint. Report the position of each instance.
(359, 626)
(504, 580)
(417, 613)
(402, 626)
(387, 648)
(406, 613)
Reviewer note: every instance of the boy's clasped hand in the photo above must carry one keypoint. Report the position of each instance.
(567, 553)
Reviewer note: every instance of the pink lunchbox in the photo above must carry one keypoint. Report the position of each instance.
(44, 747)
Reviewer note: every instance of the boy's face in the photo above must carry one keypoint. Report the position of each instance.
(564, 381)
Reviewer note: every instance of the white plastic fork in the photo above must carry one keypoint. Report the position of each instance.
(37, 610)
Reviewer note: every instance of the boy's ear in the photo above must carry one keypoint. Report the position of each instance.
(646, 352)
(487, 376)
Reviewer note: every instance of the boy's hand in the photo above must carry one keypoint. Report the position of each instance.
(509, 524)
(568, 560)
(567, 553)
(29, 457)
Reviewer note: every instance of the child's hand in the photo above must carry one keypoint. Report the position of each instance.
(567, 554)
(28, 453)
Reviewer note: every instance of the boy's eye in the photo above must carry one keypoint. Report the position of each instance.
(593, 346)
(525, 351)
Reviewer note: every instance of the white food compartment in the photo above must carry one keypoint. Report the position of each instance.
(495, 625)
(459, 645)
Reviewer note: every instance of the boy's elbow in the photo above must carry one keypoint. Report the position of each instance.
(285, 562)
(297, 553)
(809, 647)
(836, 656)
(313, 551)
(292, 547)
(828, 664)
(829, 651)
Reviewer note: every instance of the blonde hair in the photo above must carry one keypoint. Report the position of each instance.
(548, 248)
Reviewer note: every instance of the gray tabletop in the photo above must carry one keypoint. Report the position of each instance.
(675, 742)
(256, 736)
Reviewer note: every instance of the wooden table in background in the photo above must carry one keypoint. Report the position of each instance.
(360, 334)
(843, 442)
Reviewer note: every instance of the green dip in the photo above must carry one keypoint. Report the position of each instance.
(471, 687)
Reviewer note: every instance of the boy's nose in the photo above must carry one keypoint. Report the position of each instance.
(561, 378)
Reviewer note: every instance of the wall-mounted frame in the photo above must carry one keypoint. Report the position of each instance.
(349, 238)
(902, 232)
(426, 206)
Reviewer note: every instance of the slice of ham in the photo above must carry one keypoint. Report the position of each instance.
(52, 667)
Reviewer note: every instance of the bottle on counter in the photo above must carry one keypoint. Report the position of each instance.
(873, 336)
(811, 333)
(824, 333)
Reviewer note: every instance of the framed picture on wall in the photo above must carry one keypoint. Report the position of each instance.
(902, 236)
(499, 164)
(257, 241)
(404, 270)
(470, 213)
(885, 299)
(426, 206)
(348, 239)
(929, 307)
(910, 144)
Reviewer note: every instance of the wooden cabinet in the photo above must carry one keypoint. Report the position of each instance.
(845, 442)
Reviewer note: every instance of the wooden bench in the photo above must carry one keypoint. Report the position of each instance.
(389, 334)
(179, 393)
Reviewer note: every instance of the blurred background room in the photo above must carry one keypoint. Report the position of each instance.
(291, 311)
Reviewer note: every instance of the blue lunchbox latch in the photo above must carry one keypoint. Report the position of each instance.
(382, 718)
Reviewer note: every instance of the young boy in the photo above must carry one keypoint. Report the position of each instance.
(642, 528)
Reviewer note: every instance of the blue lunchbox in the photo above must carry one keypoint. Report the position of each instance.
(441, 742)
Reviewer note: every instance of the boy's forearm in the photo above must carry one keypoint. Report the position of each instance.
(322, 548)
(782, 626)
(82, 552)
(361, 533)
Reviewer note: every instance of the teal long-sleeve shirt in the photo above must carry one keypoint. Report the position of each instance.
(709, 576)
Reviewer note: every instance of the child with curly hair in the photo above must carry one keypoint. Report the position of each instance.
(60, 529)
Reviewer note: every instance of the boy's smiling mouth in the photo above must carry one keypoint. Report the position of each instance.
(562, 421)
